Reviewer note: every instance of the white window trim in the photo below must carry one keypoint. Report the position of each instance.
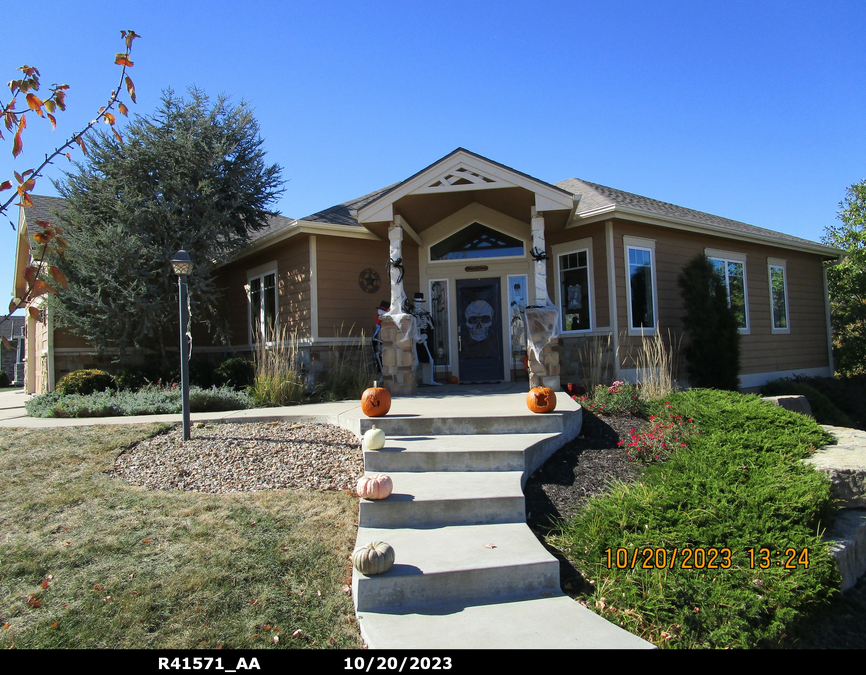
(645, 245)
(771, 263)
(468, 261)
(733, 256)
(565, 249)
(261, 272)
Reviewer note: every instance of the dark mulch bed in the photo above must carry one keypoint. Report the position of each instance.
(586, 466)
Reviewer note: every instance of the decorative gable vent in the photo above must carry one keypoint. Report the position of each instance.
(461, 178)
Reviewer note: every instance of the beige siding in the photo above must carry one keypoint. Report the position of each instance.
(594, 231)
(344, 308)
(761, 350)
(292, 259)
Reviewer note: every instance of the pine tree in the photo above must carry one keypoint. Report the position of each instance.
(713, 348)
(192, 176)
(847, 283)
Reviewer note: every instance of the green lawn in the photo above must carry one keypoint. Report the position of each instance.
(90, 562)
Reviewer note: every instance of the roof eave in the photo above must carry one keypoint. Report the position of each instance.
(301, 227)
(612, 211)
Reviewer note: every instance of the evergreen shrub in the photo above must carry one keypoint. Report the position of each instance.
(713, 349)
(85, 382)
(236, 372)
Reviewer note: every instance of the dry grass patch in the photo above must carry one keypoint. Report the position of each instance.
(90, 562)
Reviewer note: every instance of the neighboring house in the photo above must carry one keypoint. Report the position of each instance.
(467, 244)
(13, 350)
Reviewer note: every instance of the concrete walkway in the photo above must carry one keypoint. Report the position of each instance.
(469, 571)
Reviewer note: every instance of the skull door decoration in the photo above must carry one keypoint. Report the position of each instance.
(479, 318)
(480, 321)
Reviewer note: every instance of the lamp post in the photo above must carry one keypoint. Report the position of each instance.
(182, 265)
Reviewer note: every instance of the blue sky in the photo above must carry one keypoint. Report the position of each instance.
(748, 110)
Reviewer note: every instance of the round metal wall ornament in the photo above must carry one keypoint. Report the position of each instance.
(369, 280)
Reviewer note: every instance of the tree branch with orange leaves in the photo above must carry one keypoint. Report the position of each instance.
(15, 120)
(40, 277)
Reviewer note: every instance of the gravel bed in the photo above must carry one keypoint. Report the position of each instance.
(245, 458)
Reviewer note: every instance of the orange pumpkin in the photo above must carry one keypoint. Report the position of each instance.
(375, 401)
(454, 379)
(541, 400)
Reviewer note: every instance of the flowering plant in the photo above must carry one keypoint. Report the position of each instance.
(621, 398)
(665, 436)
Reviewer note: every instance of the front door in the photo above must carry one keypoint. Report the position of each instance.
(479, 330)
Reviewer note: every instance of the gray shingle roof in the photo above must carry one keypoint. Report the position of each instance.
(44, 208)
(341, 213)
(12, 327)
(275, 223)
(595, 196)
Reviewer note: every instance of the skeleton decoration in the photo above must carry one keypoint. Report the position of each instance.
(479, 318)
(575, 297)
(423, 330)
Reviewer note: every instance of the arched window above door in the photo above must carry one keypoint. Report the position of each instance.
(477, 241)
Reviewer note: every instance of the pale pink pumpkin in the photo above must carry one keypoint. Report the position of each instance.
(375, 487)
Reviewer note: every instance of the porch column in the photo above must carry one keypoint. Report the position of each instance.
(538, 246)
(542, 319)
(398, 327)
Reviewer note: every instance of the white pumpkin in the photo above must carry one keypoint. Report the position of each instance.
(374, 439)
(375, 487)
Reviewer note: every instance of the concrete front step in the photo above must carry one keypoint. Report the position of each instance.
(456, 563)
(528, 423)
(447, 498)
(481, 452)
(556, 622)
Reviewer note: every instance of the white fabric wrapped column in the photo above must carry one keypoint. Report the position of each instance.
(541, 297)
(398, 295)
(542, 320)
(398, 328)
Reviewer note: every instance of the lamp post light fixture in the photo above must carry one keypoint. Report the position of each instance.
(182, 265)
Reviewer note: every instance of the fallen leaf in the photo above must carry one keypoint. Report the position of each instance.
(146, 541)
(298, 633)
(54, 625)
(276, 639)
(34, 602)
(489, 546)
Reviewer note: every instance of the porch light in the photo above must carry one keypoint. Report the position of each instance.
(182, 265)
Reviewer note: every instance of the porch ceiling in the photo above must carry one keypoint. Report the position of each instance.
(422, 211)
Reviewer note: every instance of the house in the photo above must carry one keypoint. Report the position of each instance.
(13, 348)
(482, 242)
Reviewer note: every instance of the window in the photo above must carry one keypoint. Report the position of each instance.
(731, 267)
(640, 283)
(477, 241)
(574, 290)
(440, 346)
(263, 306)
(778, 295)
(517, 316)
